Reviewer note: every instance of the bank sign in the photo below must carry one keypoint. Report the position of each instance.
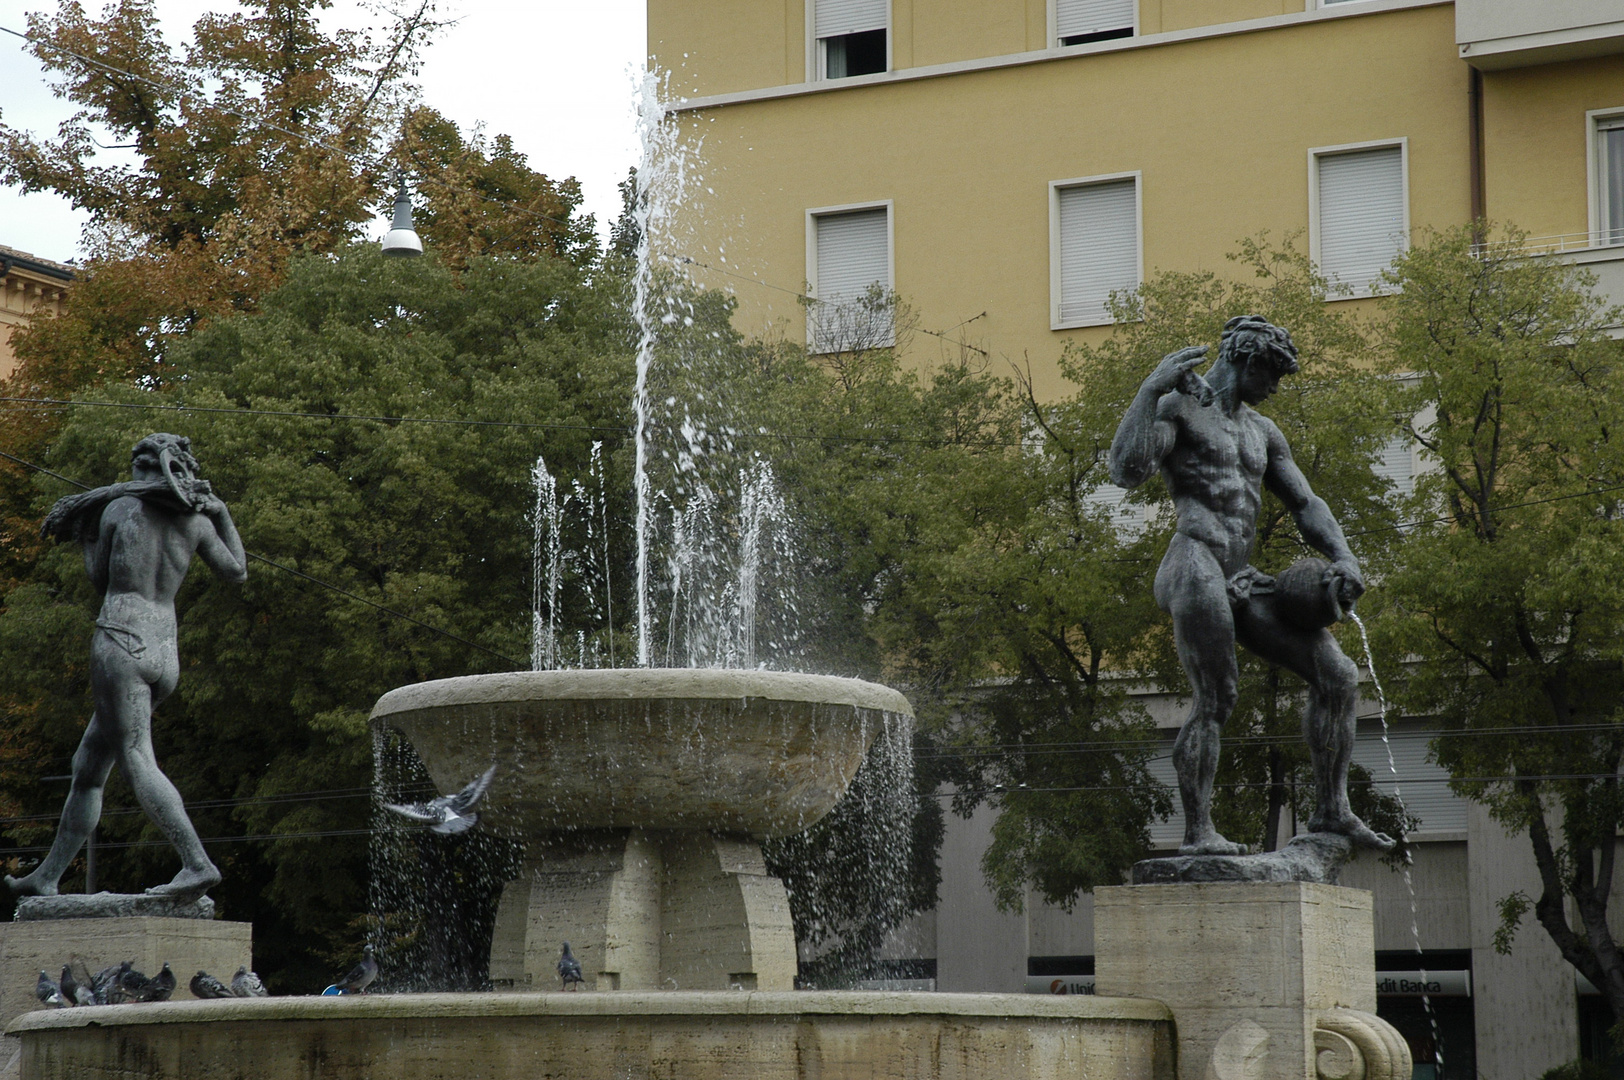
(1388, 984)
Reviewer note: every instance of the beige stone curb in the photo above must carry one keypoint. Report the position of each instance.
(604, 1006)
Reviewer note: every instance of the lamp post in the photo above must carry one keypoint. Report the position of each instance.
(401, 239)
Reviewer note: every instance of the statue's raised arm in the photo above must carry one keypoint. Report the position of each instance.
(1146, 434)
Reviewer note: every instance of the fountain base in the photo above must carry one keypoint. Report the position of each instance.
(832, 1035)
(645, 909)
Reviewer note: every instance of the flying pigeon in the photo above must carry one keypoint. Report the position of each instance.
(246, 984)
(47, 991)
(449, 814)
(207, 986)
(569, 968)
(72, 992)
(161, 986)
(361, 975)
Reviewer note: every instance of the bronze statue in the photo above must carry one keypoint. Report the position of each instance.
(1216, 454)
(138, 539)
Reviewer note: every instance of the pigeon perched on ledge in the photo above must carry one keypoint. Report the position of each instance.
(246, 984)
(449, 814)
(207, 987)
(47, 991)
(73, 992)
(569, 968)
(359, 978)
(107, 984)
(161, 986)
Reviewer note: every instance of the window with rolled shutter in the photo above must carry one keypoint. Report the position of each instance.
(1361, 223)
(853, 255)
(851, 37)
(1079, 21)
(1097, 230)
(1397, 464)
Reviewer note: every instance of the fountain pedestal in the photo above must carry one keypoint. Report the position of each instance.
(1266, 980)
(645, 910)
(641, 797)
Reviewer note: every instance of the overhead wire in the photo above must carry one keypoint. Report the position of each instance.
(311, 578)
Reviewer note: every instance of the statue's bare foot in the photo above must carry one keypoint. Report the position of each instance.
(1349, 825)
(1211, 843)
(189, 883)
(27, 886)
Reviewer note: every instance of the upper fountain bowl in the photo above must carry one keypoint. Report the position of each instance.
(766, 753)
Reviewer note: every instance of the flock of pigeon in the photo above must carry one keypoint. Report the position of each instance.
(122, 983)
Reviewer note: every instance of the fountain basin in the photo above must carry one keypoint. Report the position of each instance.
(832, 1035)
(764, 753)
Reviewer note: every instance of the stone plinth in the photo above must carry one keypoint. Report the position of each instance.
(217, 947)
(1266, 980)
(645, 910)
(590, 1036)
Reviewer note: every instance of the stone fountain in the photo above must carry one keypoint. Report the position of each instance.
(642, 796)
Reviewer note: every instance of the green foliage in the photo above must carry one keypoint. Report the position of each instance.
(426, 519)
(1508, 596)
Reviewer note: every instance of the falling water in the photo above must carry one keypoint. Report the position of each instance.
(1409, 882)
(662, 177)
(546, 569)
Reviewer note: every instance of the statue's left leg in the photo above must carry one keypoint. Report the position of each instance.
(1328, 722)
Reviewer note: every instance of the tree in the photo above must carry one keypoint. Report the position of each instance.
(479, 197)
(267, 735)
(262, 138)
(1505, 600)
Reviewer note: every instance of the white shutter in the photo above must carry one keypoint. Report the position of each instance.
(1397, 463)
(1610, 135)
(1361, 215)
(1099, 247)
(836, 17)
(853, 253)
(1423, 785)
(1073, 17)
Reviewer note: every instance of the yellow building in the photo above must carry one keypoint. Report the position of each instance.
(29, 285)
(1023, 158)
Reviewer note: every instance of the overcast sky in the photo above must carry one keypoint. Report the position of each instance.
(554, 74)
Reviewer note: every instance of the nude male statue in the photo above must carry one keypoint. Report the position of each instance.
(1216, 453)
(138, 539)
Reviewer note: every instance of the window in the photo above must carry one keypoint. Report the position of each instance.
(849, 257)
(1093, 246)
(851, 37)
(1077, 22)
(1359, 214)
(1607, 150)
(1397, 465)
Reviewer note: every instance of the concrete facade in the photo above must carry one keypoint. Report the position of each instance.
(1216, 109)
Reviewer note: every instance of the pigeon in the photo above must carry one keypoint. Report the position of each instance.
(206, 986)
(72, 992)
(161, 986)
(246, 984)
(47, 991)
(135, 984)
(106, 985)
(449, 814)
(360, 976)
(569, 968)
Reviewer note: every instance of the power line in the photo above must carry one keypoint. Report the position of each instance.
(814, 300)
(311, 578)
(290, 413)
(1243, 785)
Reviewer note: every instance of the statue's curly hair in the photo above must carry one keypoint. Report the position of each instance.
(1252, 337)
(179, 447)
